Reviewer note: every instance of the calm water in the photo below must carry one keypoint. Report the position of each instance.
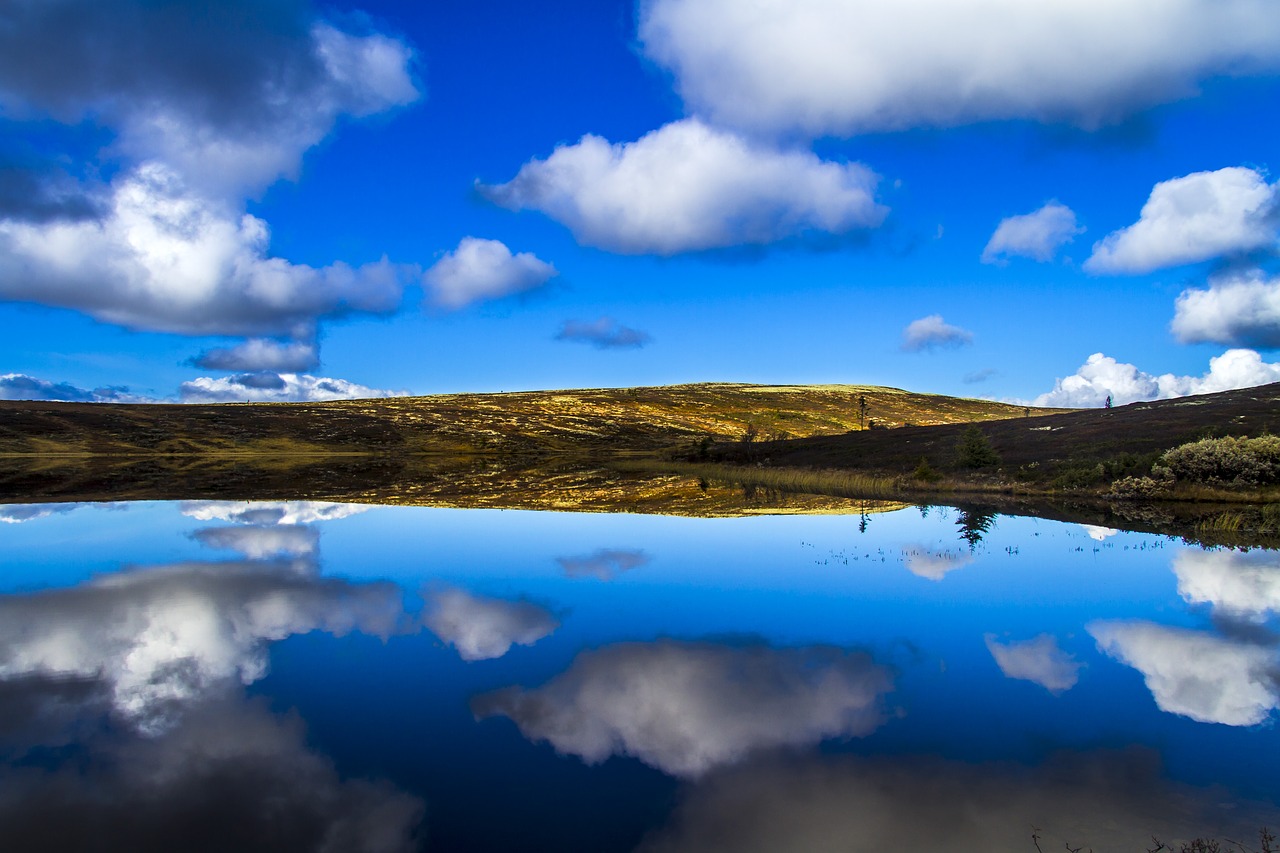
(280, 676)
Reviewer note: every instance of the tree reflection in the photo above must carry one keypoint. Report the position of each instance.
(974, 524)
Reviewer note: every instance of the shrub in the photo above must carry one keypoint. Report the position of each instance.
(1238, 461)
(1130, 488)
(924, 472)
(974, 451)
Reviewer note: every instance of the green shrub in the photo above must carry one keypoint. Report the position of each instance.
(1237, 461)
(974, 451)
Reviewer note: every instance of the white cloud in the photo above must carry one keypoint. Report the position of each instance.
(605, 564)
(1037, 235)
(1239, 584)
(604, 333)
(261, 354)
(1236, 310)
(485, 628)
(688, 187)
(1194, 218)
(22, 513)
(686, 708)
(1038, 660)
(267, 387)
(19, 386)
(1097, 533)
(483, 269)
(164, 259)
(1102, 375)
(261, 542)
(169, 634)
(933, 332)
(935, 565)
(270, 512)
(1196, 675)
(851, 66)
(229, 96)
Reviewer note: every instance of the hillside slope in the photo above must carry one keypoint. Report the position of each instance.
(593, 420)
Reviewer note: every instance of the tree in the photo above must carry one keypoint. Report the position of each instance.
(974, 451)
(862, 411)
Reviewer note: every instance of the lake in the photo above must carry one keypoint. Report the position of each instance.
(216, 675)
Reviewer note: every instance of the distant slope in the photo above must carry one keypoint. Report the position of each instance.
(1043, 447)
(594, 420)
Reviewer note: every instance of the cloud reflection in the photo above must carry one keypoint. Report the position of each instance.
(605, 564)
(270, 512)
(485, 628)
(1103, 800)
(1038, 660)
(159, 637)
(228, 775)
(686, 707)
(260, 542)
(1196, 674)
(1244, 585)
(933, 564)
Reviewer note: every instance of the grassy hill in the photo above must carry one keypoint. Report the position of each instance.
(574, 421)
(1068, 450)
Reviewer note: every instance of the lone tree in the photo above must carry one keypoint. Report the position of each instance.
(974, 451)
(862, 411)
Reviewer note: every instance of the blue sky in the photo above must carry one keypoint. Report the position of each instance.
(1050, 201)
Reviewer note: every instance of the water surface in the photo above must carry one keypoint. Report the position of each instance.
(210, 675)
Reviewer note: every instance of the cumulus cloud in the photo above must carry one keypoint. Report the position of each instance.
(604, 333)
(268, 387)
(229, 96)
(1102, 375)
(1243, 585)
(258, 354)
(850, 66)
(483, 269)
(1038, 660)
(162, 636)
(270, 512)
(1236, 310)
(605, 564)
(1193, 674)
(933, 332)
(19, 386)
(1099, 800)
(1193, 218)
(22, 513)
(1097, 533)
(485, 628)
(935, 565)
(204, 106)
(228, 776)
(689, 187)
(686, 708)
(1037, 235)
(163, 259)
(261, 542)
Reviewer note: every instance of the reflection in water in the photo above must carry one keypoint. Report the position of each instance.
(1099, 534)
(166, 635)
(228, 775)
(1038, 660)
(974, 524)
(260, 542)
(1196, 674)
(270, 512)
(485, 628)
(1242, 585)
(686, 707)
(934, 565)
(135, 680)
(1103, 801)
(605, 564)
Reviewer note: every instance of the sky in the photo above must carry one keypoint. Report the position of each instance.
(1050, 202)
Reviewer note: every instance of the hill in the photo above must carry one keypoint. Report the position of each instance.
(538, 422)
(1067, 450)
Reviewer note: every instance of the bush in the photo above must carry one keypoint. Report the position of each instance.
(1131, 488)
(974, 451)
(1237, 461)
(924, 472)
